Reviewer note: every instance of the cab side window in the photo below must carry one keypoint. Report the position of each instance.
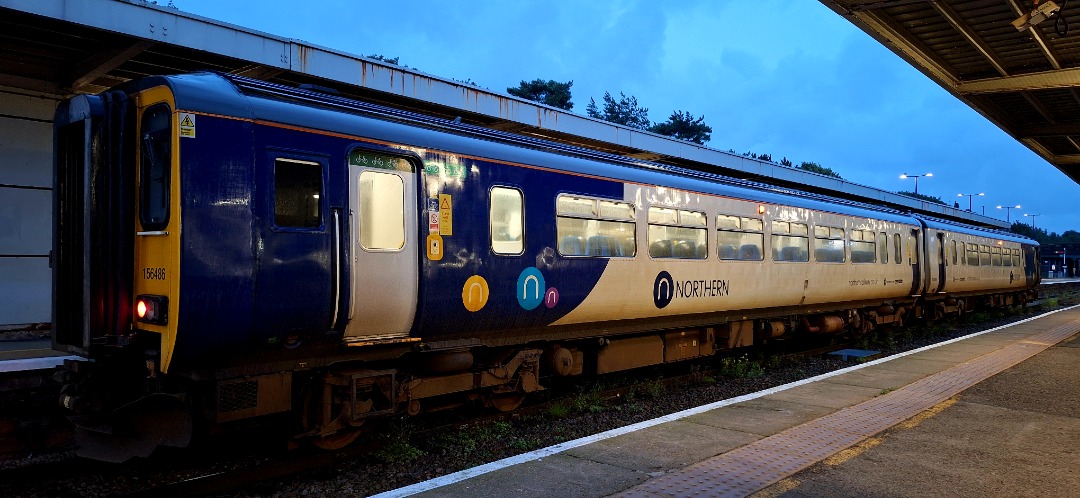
(155, 167)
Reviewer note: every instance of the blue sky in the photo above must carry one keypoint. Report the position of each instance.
(788, 78)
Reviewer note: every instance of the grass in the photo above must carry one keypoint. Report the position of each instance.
(741, 367)
(399, 452)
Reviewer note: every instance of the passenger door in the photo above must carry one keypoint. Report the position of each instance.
(942, 260)
(914, 247)
(294, 286)
(382, 217)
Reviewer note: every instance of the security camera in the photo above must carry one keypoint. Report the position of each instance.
(1041, 13)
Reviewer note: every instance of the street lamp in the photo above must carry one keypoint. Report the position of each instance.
(1032, 219)
(969, 196)
(916, 177)
(1007, 210)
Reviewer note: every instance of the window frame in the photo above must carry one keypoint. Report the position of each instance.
(275, 158)
(791, 230)
(145, 171)
(678, 223)
(360, 226)
(595, 215)
(520, 220)
(831, 235)
(865, 238)
(743, 231)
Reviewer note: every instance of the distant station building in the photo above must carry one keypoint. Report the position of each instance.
(52, 49)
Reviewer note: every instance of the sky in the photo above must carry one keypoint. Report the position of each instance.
(789, 78)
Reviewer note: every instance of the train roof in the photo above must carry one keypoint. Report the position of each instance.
(239, 96)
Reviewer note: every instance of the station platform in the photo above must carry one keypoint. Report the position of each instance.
(29, 354)
(995, 413)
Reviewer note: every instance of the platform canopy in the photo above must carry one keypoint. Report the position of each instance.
(1013, 61)
(65, 47)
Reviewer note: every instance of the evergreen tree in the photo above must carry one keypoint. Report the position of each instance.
(625, 112)
(683, 126)
(548, 92)
(821, 170)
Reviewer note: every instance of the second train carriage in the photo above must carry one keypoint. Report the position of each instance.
(250, 249)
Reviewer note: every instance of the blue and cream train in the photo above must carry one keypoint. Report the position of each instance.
(227, 248)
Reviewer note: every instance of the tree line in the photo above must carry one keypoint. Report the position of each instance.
(682, 125)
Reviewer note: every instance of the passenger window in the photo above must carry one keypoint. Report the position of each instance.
(951, 252)
(674, 233)
(898, 249)
(382, 211)
(863, 247)
(155, 167)
(739, 238)
(973, 255)
(913, 247)
(1016, 257)
(995, 256)
(595, 227)
(506, 216)
(789, 242)
(829, 245)
(883, 247)
(297, 191)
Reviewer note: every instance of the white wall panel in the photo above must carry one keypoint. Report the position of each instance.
(25, 206)
(25, 291)
(25, 222)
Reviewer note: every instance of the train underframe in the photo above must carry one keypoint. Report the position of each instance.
(121, 419)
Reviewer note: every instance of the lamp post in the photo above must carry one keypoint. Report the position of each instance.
(969, 196)
(1032, 219)
(916, 177)
(1007, 211)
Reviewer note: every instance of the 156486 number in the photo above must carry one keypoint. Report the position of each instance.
(153, 273)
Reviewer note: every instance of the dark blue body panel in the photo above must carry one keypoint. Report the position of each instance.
(245, 281)
(217, 260)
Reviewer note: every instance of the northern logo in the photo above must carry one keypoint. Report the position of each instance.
(663, 289)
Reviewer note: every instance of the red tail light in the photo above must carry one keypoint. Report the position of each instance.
(152, 309)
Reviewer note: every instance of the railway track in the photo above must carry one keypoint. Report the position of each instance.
(437, 443)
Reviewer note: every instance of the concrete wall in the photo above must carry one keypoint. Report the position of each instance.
(25, 207)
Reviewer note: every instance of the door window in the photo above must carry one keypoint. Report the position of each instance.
(382, 211)
(297, 193)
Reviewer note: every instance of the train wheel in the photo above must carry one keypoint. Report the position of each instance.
(505, 402)
(337, 440)
(327, 425)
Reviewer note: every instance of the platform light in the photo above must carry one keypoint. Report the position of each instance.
(1039, 14)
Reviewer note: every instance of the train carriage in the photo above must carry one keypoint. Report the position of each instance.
(248, 249)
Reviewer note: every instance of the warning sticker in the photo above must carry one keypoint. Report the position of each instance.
(446, 215)
(187, 125)
(433, 222)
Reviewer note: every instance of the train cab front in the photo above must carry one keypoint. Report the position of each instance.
(115, 259)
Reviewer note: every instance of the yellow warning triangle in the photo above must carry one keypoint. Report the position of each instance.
(187, 121)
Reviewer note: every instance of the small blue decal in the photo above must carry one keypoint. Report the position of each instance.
(530, 288)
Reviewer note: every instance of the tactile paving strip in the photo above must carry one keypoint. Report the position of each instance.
(755, 466)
